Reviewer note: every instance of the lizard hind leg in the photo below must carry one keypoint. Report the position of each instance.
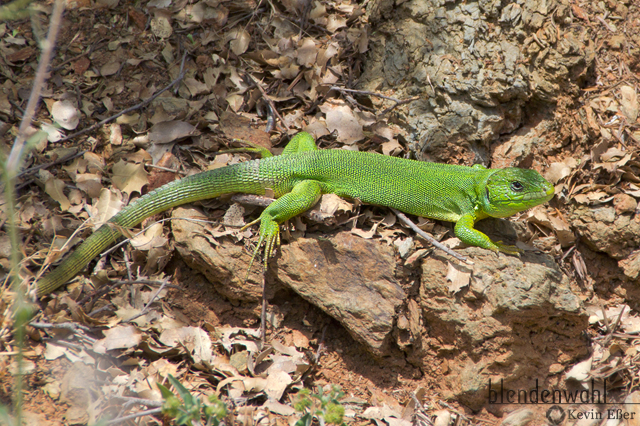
(301, 142)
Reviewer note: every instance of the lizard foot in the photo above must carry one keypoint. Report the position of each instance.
(269, 236)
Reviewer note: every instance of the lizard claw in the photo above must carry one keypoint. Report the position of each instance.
(507, 248)
(269, 235)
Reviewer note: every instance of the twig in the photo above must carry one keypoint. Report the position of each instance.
(606, 25)
(17, 151)
(133, 416)
(127, 263)
(320, 346)
(166, 169)
(141, 401)
(567, 253)
(263, 311)
(268, 100)
(126, 240)
(72, 326)
(88, 52)
(261, 201)
(397, 102)
(110, 287)
(153, 298)
(64, 159)
(613, 328)
(100, 310)
(429, 238)
(133, 108)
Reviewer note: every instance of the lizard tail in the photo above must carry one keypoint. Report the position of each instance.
(242, 177)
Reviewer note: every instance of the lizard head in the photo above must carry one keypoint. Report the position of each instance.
(512, 190)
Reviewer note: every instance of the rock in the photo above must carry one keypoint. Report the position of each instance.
(616, 41)
(350, 278)
(224, 265)
(624, 203)
(604, 230)
(474, 77)
(519, 417)
(77, 390)
(515, 320)
(518, 148)
(631, 265)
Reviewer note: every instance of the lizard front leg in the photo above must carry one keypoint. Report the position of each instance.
(465, 230)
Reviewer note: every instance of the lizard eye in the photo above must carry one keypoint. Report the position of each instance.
(517, 186)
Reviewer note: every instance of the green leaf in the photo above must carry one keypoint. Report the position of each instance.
(334, 413)
(184, 393)
(183, 419)
(305, 420)
(166, 393)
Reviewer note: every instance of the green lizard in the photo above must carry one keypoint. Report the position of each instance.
(302, 173)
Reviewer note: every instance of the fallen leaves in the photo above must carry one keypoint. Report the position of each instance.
(54, 187)
(65, 114)
(129, 177)
(119, 337)
(341, 119)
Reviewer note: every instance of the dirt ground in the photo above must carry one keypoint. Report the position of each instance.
(113, 55)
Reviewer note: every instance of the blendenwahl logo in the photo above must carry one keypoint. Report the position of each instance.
(537, 395)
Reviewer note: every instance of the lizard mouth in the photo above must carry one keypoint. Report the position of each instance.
(546, 193)
(550, 190)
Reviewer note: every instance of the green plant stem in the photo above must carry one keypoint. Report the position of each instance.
(18, 302)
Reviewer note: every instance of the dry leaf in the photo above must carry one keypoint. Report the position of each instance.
(580, 371)
(392, 147)
(109, 203)
(443, 418)
(52, 351)
(239, 40)
(110, 68)
(150, 238)
(300, 340)
(65, 114)
(458, 278)
(194, 339)
(331, 204)
(90, 183)
(54, 134)
(334, 22)
(629, 103)
(119, 337)
(54, 187)
(279, 408)
(277, 382)
(555, 222)
(115, 134)
(366, 234)
(195, 87)
(340, 118)
(579, 12)
(161, 23)
(169, 131)
(129, 177)
(307, 53)
(556, 172)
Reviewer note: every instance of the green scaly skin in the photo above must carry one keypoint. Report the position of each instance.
(303, 173)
